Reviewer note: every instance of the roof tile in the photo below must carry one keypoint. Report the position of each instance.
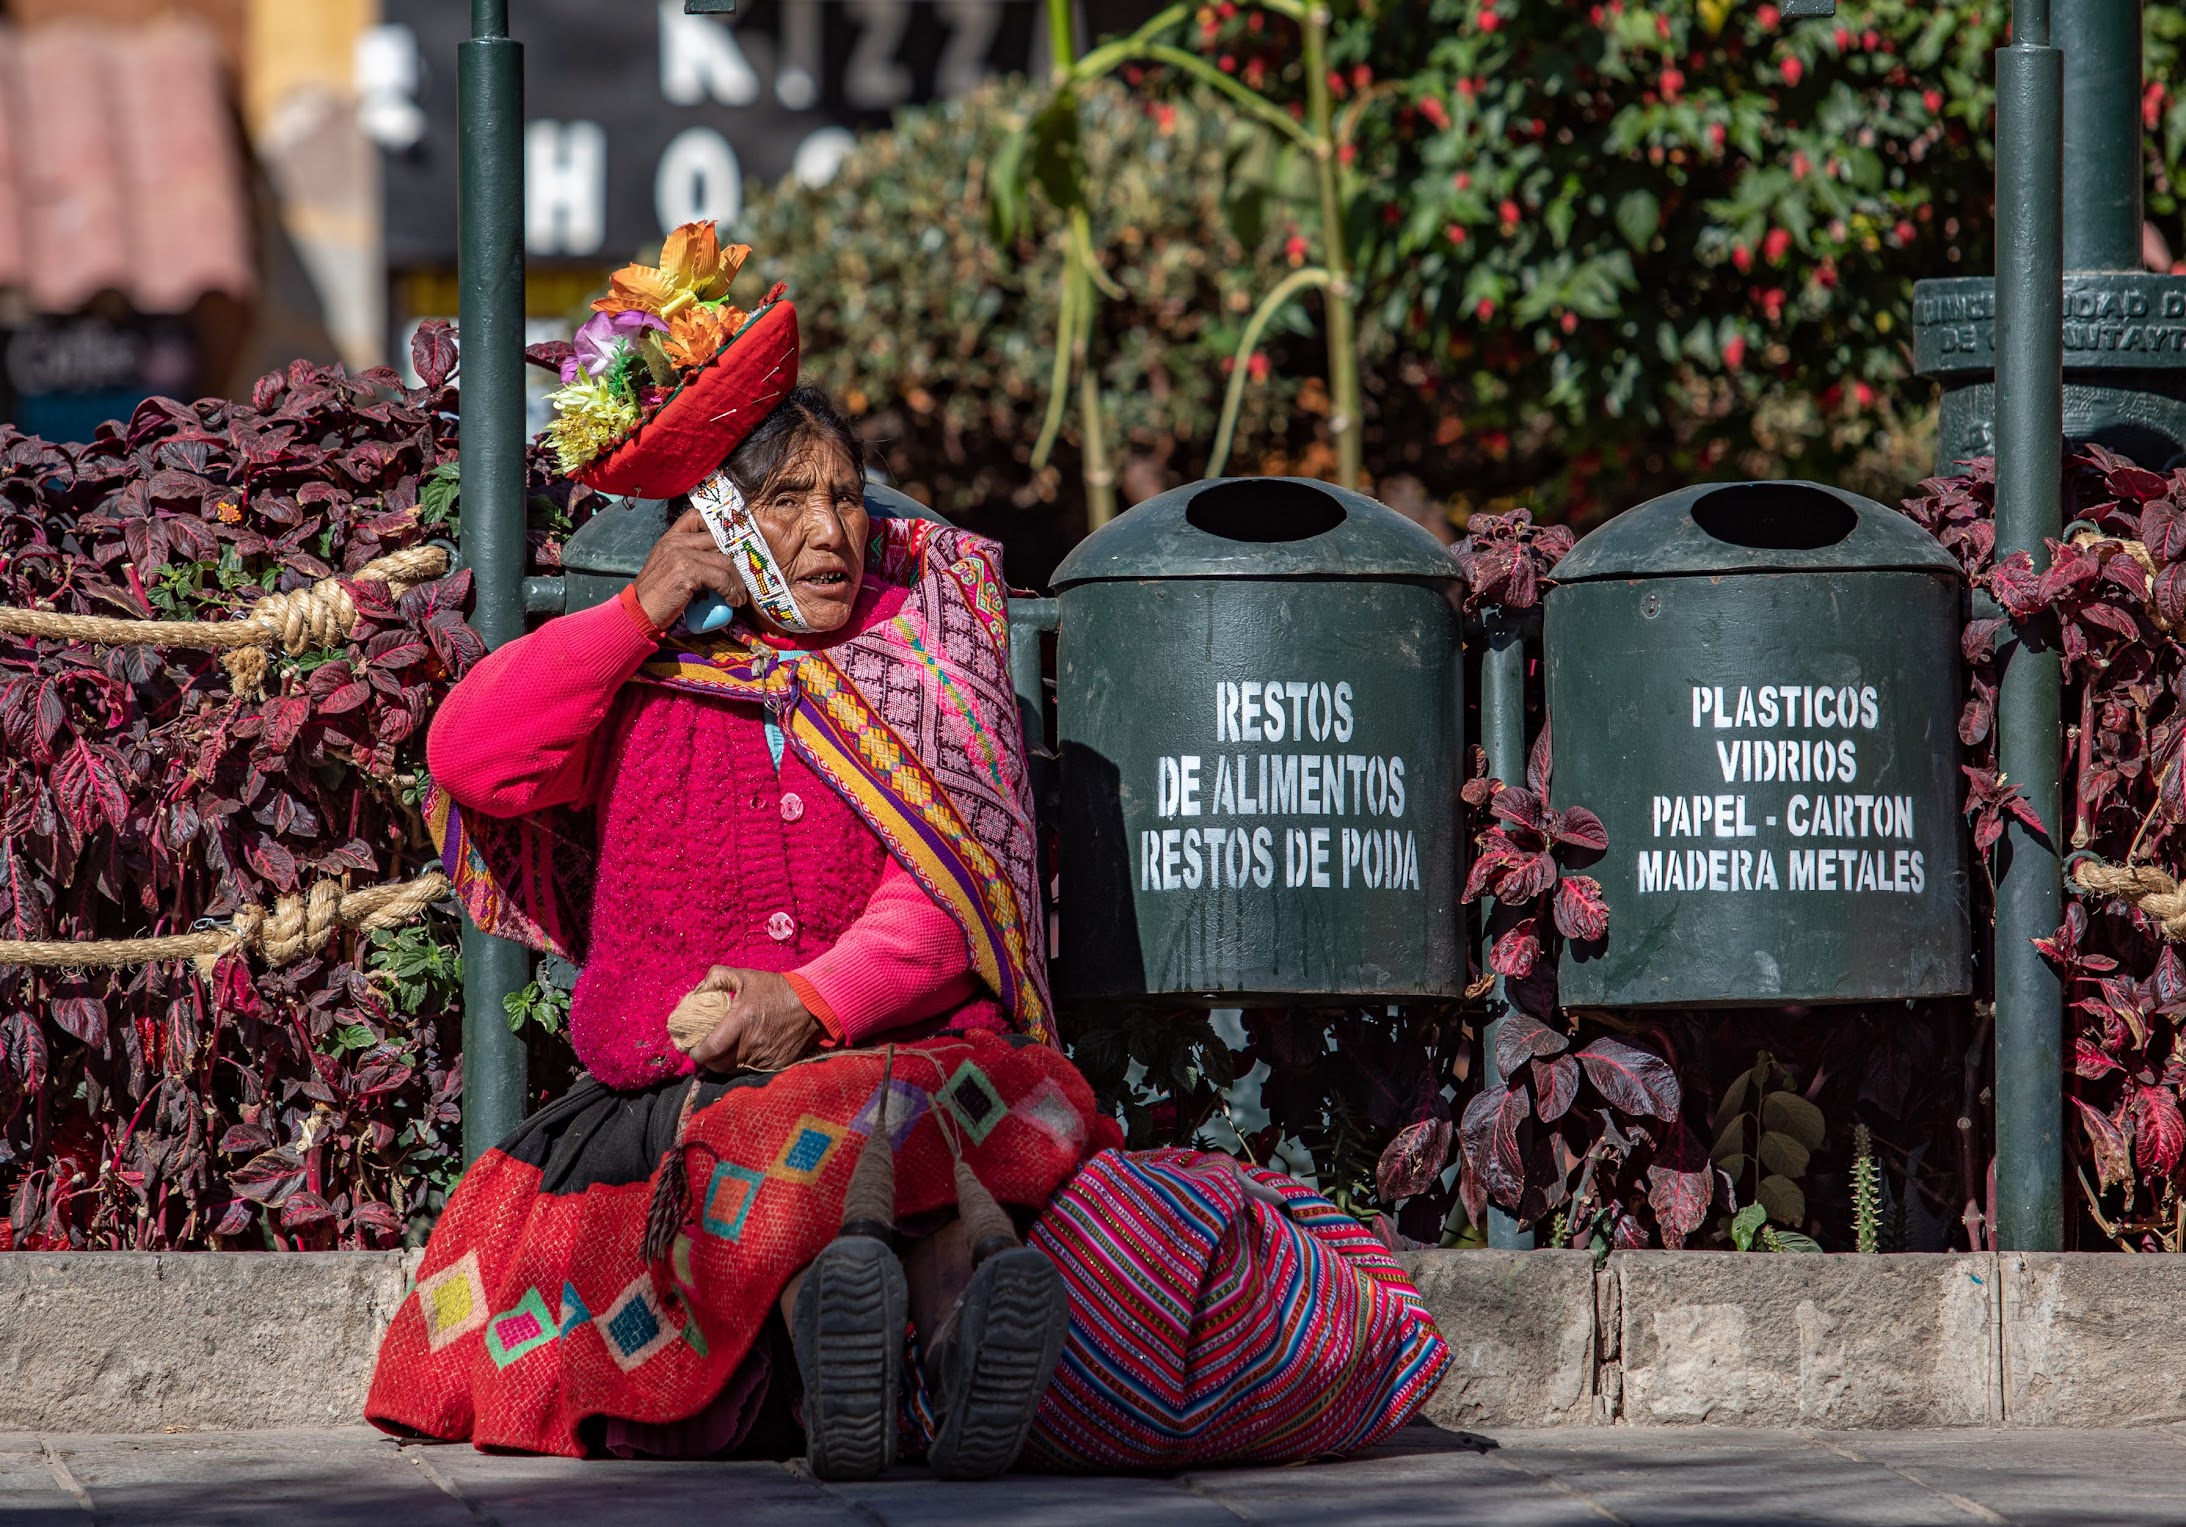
(118, 167)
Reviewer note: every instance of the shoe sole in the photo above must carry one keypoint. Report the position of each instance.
(848, 1332)
(1010, 1332)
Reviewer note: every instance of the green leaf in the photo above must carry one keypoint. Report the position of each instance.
(1559, 216)
(1796, 1117)
(1057, 155)
(1745, 1224)
(1732, 1138)
(539, 1004)
(1785, 1203)
(1788, 1240)
(1734, 1097)
(1667, 346)
(1781, 1153)
(438, 494)
(1007, 212)
(1639, 214)
(1247, 206)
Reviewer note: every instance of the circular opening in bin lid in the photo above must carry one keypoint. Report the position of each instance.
(1775, 516)
(1718, 528)
(1266, 511)
(1257, 527)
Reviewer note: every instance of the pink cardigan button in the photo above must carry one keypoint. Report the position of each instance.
(793, 806)
(781, 927)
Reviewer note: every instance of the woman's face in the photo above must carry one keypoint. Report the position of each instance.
(812, 513)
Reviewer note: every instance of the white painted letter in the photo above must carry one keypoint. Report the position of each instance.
(699, 60)
(565, 187)
(698, 181)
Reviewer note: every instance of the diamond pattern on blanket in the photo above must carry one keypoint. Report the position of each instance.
(526, 1328)
(575, 1312)
(805, 1154)
(635, 1325)
(906, 1106)
(453, 1301)
(730, 1194)
(1048, 1111)
(973, 1102)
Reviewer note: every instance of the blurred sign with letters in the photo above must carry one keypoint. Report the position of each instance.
(639, 117)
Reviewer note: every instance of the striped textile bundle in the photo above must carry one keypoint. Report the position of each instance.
(1222, 1314)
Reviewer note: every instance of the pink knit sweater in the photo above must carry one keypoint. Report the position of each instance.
(707, 854)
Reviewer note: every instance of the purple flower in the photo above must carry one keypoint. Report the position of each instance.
(602, 337)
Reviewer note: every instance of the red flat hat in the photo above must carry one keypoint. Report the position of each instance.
(708, 416)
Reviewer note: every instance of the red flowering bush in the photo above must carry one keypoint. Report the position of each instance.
(1604, 248)
(309, 1105)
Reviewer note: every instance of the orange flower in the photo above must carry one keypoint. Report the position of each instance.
(693, 268)
(697, 333)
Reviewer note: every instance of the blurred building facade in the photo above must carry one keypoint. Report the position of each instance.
(639, 117)
(195, 191)
(127, 259)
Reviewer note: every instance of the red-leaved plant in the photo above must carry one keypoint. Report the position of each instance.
(1515, 861)
(1593, 1132)
(2113, 599)
(309, 1105)
(1586, 1134)
(1504, 558)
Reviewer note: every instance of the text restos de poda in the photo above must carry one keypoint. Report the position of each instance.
(1240, 800)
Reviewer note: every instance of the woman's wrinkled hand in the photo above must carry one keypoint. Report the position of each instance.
(685, 561)
(757, 1021)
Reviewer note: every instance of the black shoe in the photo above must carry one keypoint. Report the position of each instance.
(848, 1333)
(992, 1367)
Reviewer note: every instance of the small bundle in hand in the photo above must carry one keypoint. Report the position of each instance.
(699, 1014)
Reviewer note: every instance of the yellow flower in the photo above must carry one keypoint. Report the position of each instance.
(693, 268)
(589, 417)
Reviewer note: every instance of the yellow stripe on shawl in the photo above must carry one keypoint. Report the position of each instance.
(889, 816)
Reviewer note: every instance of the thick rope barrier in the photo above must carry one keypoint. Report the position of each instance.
(298, 924)
(304, 922)
(2139, 885)
(317, 615)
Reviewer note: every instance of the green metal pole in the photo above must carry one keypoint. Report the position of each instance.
(2029, 472)
(1030, 619)
(490, 84)
(1503, 739)
(2101, 43)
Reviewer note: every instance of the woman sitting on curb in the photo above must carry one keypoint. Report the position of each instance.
(795, 855)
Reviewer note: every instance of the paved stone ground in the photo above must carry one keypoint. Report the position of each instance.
(1664, 1477)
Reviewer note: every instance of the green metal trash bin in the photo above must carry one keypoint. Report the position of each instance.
(1259, 693)
(1756, 686)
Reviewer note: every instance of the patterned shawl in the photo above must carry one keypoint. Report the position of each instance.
(913, 720)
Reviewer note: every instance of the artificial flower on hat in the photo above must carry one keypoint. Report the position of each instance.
(667, 376)
(693, 268)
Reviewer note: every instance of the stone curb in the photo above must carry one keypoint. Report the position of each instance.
(1683, 1338)
(196, 1341)
(127, 1342)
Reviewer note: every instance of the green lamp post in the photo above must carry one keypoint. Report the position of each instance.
(2029, 428)
(490, 80)
(2072, 339)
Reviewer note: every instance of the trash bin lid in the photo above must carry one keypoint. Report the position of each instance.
(1748, 527)
(1257, 527)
